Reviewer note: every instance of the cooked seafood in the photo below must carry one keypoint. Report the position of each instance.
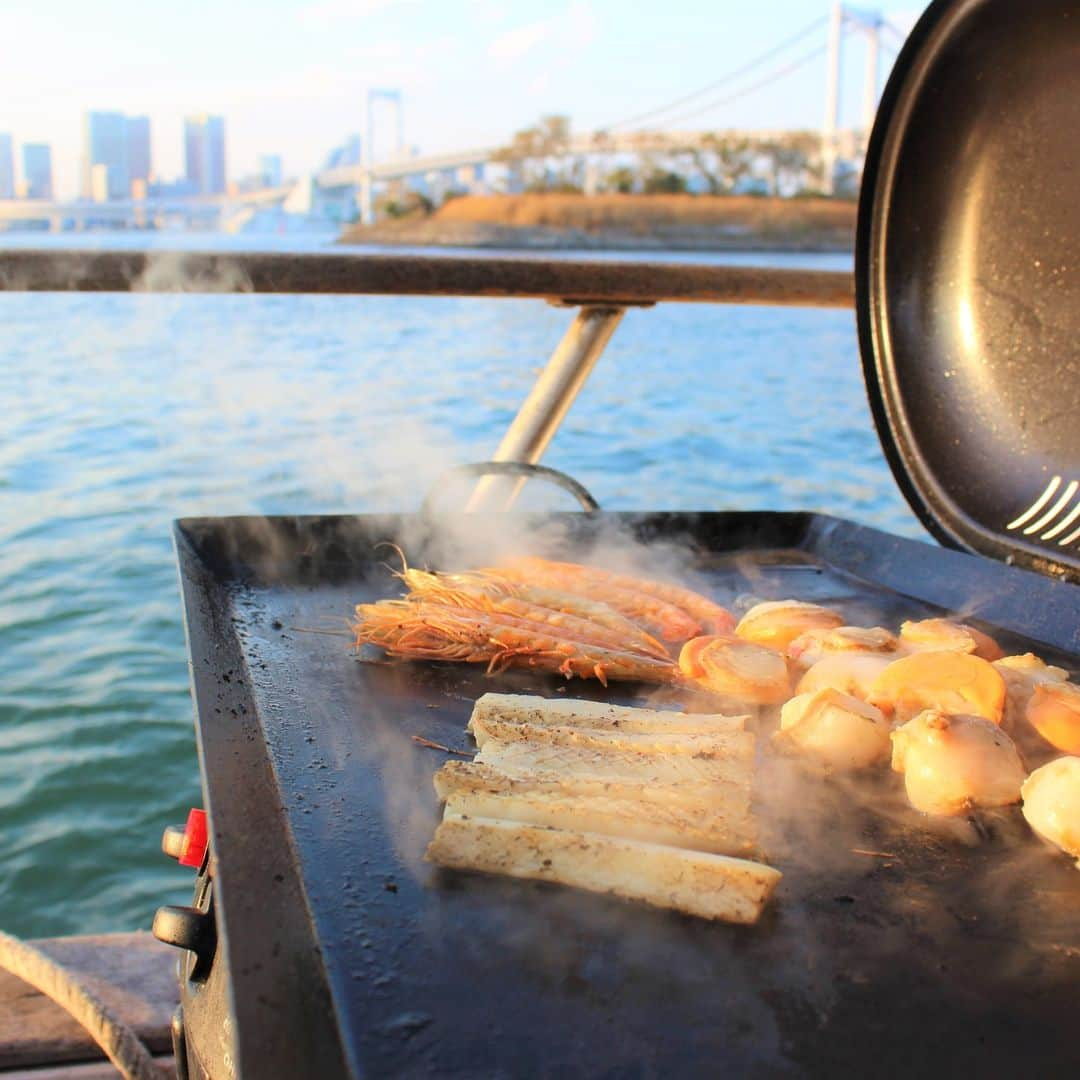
(598, 715)
(777, 623)
(698, 883)
(576, 615)
(436, 632)
(728, 744)
(736, 668)
(953, 681)
(1053, 710)
(525, 759)
(814, 645)
(952, 764)
(836, 729)
(650, 603)
(710, 807)
(1052, 803)
(940, 635)
(1021, 675)
(849, 672)
(656, 823)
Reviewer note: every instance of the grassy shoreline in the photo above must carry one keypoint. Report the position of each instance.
(623, 222)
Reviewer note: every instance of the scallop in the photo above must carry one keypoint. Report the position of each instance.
(1022, 674)
(1052, 803)
(1053, 710)
(850, 672)
(737, 668)
(953, 681)
(834, 728)
(953, 764)
(813, 645)
(777, 623)
(946, 635)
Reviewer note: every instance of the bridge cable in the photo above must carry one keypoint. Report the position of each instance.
(774, 76)
(724, 79)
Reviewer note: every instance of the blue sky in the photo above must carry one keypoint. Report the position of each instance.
(291, 77)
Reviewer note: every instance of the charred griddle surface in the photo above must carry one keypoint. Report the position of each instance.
(924, 951)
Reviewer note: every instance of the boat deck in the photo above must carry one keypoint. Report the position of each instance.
(133, 973)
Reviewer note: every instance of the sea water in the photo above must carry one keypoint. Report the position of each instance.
(122, 412)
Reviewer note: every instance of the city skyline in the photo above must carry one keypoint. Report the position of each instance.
(304, 88)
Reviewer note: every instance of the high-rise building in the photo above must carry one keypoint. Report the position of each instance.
(348, 153)
(121, 144)
(138, 149)
(270, 170)
(204, 153)
(37, 170)
(105, 144)
(7, 168)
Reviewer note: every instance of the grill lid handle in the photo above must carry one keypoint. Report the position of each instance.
(511, 468)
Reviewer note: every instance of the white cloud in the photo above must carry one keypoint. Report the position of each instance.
(563, 34)
(330, 10)
(522, 40)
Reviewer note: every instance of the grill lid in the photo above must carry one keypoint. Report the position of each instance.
(965, 268)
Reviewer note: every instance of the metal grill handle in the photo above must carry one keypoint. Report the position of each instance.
(511, 468)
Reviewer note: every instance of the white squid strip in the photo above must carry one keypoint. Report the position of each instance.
(697, 883)
(730, 744)
(721, 775)
(652, 822)
(599, 716)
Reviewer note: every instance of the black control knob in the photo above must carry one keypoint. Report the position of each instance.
(191, 929)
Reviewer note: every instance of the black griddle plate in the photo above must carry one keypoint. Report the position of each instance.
(952, 951)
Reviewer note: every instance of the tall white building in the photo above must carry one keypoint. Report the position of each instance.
(7, 168)
(204, 153)
(37, 170)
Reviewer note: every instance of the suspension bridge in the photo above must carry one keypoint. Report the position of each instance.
(345, 191)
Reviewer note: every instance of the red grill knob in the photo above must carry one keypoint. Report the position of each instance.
(193, 847)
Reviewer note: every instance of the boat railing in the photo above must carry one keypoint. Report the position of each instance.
(599, 291)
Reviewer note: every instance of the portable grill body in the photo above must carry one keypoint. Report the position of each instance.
(339, 952)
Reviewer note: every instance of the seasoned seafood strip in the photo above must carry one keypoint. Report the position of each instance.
(546, 759)
(423, 631)
(577, 616)
(598, 715)
(655, 823)
(728, 744)
(668, 621)
(711, 809)
(698, 883)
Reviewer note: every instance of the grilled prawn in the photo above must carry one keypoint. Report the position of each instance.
(426, 631)
(676, 613)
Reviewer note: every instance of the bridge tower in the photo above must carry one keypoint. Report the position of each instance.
(367, 202)
(842, 17)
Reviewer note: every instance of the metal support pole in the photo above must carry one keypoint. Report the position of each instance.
(870, 79)
(548, 402)
(832, 100)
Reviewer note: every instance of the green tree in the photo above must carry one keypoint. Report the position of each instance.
(664, 182)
